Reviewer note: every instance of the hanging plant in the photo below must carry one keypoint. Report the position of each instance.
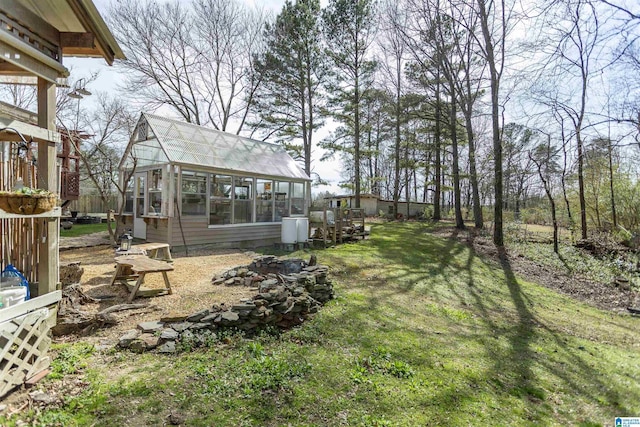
(27, 201)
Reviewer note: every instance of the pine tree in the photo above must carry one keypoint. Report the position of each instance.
(349, 32)
(291, 70)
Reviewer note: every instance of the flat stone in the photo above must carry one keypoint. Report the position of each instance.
(154, 326)
(167, 347)
(182, 326)
(138, 346)
(199, 325)
(270, 283)
(243, 307)
(174, 317)
(242, 272)
(126, 339)
(151, 341)
(210, 318)
(187, 335)
(218, 281)
(229, 316)
(42, 397)
(229, 282)
(169, 334)
(197, 316)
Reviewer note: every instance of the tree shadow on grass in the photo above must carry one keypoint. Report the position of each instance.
(410, 258)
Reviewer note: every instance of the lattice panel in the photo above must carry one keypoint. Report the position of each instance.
(24, 342)
(70, 186)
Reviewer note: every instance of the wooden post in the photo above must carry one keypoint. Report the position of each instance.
(47, 180)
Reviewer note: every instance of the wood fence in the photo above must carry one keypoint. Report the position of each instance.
(92, 203)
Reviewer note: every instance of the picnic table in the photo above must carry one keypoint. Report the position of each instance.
(140, 266)
(153, 249)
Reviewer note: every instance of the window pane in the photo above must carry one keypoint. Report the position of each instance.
(282, 200)
(243, 201)
(128, 198)
(220, 200)
(297, 198)
(140, 196)
(264, 200)
(155, 192)
(194, 193)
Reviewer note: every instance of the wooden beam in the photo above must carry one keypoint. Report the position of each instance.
(30, 20)
(38, 134)
(47, 180)
(77, 40)
(12, 69)
(28, 306)
(89, 23)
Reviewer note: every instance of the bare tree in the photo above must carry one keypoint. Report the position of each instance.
(196, 59)
(543, 157)
(493, 16)
(394, 20)
(99, 137)
(229, 37)
(576, 54)
(469, 90)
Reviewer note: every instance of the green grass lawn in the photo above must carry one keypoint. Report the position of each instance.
(82, 229)
(423, 332)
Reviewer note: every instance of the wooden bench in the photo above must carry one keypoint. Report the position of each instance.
(152, 249)
(140, 265)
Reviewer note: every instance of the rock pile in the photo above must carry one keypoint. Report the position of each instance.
(288, 292)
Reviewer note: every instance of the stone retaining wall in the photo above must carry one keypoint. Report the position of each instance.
(288, 292)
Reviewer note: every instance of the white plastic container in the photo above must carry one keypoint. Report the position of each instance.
(12, 295)
(317, 217)
(289, 232)
(303, 229)
(7, 282)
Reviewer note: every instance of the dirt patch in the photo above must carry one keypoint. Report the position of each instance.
(601, 295)
(190, 281)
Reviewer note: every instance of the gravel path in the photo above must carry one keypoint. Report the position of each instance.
(190, 281)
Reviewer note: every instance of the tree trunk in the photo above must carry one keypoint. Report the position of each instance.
(437, 216)
(396, 182)
(583, 203)
(473, 174)
(613, 197)
(498, 235)
(356, 143)
(457, 202)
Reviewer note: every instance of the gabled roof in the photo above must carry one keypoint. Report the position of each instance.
(159, 140)
(37, 34)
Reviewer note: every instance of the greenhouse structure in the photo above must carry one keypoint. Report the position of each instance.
(192, 185)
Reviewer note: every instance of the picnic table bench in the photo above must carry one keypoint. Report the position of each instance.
(152, 250)
(140, 265)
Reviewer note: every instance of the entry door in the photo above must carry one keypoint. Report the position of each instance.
(139, 226)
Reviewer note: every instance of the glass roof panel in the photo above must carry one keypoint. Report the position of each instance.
(148, 153)
(192, 144)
